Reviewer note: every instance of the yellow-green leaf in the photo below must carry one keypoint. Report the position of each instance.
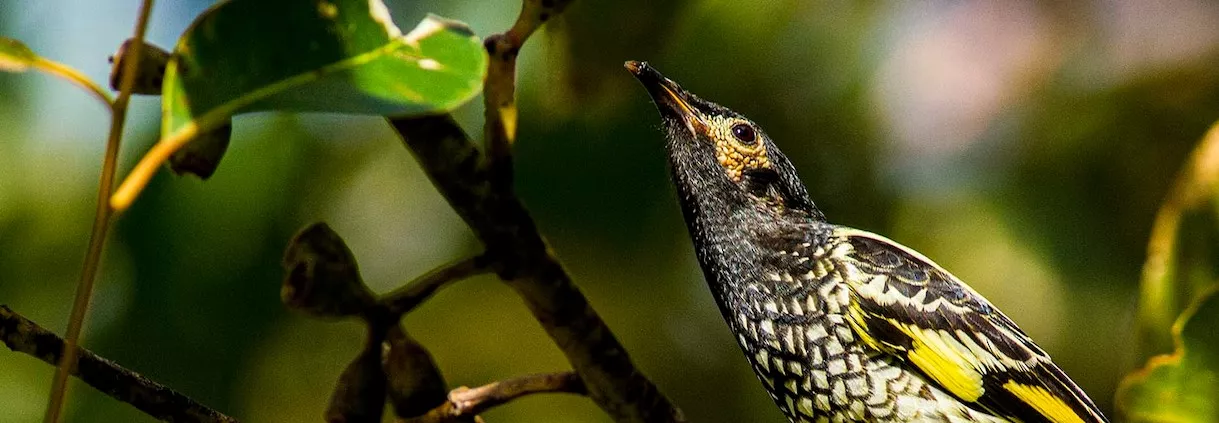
(1182, 386)
(1181, 263)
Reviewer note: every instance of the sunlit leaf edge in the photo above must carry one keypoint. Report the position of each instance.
(1129, 386)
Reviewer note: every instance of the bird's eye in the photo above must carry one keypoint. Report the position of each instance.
(744, 133)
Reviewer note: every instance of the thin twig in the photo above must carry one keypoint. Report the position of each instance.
(415, 292)
(101, 223)
(499, 89)
(468, 402)
(24, 336)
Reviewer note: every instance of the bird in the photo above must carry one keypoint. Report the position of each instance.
(841, 324)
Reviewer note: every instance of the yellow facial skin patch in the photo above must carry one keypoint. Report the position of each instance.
(733, 155)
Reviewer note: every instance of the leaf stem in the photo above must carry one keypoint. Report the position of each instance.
(74, 76)
(138, 178)
(101, 224)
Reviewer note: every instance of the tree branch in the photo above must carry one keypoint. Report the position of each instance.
(481, 191)
(156, 400)
(466, 402)
(521, 258)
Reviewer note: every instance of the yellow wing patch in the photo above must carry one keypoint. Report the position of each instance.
(1044, 402)
(936, 353)
(947, 361)
(906, 305)
(855, 318)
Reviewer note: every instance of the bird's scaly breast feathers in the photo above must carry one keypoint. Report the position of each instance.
(904, 304)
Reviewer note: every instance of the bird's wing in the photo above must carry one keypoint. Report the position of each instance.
(905, 304)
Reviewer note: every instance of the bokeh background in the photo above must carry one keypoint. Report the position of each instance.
(1023, 145)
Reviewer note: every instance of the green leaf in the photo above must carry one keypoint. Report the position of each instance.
(343, 56)
(1182, 386)
(15, 56)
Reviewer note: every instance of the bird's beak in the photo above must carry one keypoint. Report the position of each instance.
(669, 96)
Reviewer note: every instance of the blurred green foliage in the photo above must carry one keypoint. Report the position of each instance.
(1178, 286)
(1025, 146)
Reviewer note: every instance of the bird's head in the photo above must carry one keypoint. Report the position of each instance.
(719, 156)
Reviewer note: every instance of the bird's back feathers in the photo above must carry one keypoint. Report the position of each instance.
(905, 304)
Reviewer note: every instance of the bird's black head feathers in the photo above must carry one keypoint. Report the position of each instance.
(722, 162)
